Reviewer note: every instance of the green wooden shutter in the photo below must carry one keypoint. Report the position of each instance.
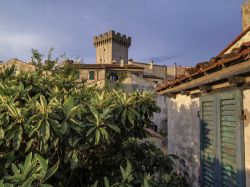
(208, 140)
(230, 138)
(91, 75)
(222, 139)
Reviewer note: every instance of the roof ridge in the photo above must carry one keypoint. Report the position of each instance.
(243, 33)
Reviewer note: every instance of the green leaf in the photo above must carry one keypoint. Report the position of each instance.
(115, 128)
(95, 184)
(1, 183)
(105, 133)
(27, 165)
(52, 170)
(106, 182)
(64, 128)
(94, 112)
(14, 169)
(1, 133)
(123, 173)
(90, 131)
(28, 182)
(97, 136)
(46, 131)
(43, 163)
(124, 116)
(18, 137)
(145, 182)
(29, 144)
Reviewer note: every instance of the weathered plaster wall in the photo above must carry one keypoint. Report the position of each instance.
(99, 76)
(152, 69)
(133, 82)
(184, 135)
(160, 119)
(246, 105)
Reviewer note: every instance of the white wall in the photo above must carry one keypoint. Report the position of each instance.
(184, 135)
(246, 105)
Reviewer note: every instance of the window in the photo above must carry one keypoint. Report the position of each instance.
(113, 77)
(91, 75)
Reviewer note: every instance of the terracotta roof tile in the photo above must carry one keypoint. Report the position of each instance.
(237, 55)
(235, 40)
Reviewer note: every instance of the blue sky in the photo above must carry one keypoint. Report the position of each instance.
(169, 31)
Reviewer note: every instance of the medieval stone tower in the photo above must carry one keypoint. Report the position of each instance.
(111, 47)
(245, 14)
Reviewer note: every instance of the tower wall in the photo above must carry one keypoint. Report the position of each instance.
(245, 15)
(111, 46)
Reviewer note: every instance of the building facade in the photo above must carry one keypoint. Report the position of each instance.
(209, 119)
(112, 47)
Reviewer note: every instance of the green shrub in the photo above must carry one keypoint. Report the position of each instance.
(78, 136)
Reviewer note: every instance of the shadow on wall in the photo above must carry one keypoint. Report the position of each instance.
(183, 136)
(192, 140)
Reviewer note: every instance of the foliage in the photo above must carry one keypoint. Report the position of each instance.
(55, 131)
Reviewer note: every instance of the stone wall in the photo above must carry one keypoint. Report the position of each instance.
(184, 136)
(246, 105)
(119, 52)
(245, 15)
(99, 77)
(152, 69)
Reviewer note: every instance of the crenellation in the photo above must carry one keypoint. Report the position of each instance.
(115, 44)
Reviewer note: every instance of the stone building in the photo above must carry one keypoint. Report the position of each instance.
(112, 59)
(19, 65)
(111, 47)
(209, 119)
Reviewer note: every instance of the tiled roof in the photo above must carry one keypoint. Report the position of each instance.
(107, 66)
(237, 55)
(235, 40)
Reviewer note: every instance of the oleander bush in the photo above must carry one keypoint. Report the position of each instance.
(55, 131)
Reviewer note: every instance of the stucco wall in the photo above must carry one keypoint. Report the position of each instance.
(246, 104)
(183, 135)
(99, 77)
(160, 119)
(152, 69)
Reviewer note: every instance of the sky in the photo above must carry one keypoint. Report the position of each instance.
(185, 32)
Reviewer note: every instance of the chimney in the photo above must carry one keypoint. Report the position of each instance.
(245, 11)
(130, 61)
(122, 63)
(151, 65)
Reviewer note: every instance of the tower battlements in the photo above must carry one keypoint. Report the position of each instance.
(112, 36)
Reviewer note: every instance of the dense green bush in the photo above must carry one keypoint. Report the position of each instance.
(55, 131)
